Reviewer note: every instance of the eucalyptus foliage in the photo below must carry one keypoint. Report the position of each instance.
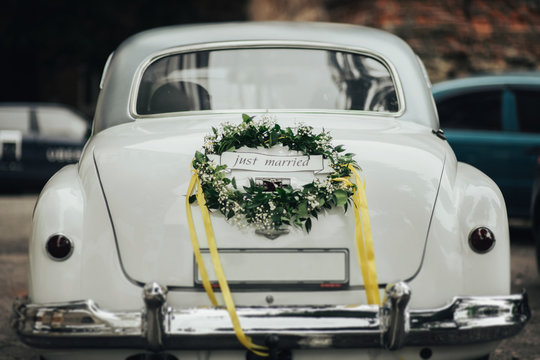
(255, 205)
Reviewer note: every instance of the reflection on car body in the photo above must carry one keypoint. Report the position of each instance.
(36, 140)
(220, 209)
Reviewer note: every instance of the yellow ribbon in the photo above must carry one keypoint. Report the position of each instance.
(364, 241)
(218, 268)
(195, 243)
(343, 180)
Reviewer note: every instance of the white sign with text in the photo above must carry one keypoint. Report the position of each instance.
(271, 163)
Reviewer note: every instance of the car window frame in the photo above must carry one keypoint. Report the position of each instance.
(231, 45)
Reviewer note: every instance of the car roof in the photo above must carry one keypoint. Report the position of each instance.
(485, 81)
(182, 35)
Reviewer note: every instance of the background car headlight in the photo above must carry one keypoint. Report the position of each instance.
(59, 247)
(481, 240)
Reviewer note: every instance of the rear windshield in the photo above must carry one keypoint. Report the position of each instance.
(261, 78)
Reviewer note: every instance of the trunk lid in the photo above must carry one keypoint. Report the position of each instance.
(144, 168)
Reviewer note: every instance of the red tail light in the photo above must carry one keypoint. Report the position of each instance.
(481, 240)
(59, 247)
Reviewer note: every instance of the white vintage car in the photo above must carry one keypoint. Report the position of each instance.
(268, 190)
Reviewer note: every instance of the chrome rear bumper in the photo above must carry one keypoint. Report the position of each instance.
(467, 320)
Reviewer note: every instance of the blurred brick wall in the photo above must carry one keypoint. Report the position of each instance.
(454, 38)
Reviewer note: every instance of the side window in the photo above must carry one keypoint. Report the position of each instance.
(472, 111)
(59, 122)
(15, 118)
(528, 110)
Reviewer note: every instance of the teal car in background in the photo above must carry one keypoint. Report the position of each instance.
(493, 123)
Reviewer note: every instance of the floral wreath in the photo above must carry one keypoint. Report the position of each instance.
(255, 205)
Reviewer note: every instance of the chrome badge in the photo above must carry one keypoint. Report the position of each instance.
(272, 233)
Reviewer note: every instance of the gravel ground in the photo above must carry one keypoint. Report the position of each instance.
(15, 218)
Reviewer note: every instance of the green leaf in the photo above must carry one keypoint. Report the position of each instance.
(200, 157)
(308, 225)
(341, 197)
(302, 210)
(192, 199)
(246, 118)
(288, 189)
(274, 137)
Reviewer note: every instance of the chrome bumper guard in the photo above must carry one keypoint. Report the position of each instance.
(467, 320)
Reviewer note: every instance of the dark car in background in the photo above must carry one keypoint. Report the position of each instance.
(493, 123)
(535, 213)
(36, 140)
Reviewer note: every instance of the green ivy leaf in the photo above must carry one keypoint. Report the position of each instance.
(308, 225)
(341, 197)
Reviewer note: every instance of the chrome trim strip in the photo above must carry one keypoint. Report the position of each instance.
(467, 320)
(265, 44)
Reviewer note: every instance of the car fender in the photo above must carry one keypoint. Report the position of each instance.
(482, 204)
(467, 199)
(72, 204)
(59, 210)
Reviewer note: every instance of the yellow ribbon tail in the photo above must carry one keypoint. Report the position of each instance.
(364, 242)
(245, 340)
(195, 243)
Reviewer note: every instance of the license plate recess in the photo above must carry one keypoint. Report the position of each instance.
(280, 269)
